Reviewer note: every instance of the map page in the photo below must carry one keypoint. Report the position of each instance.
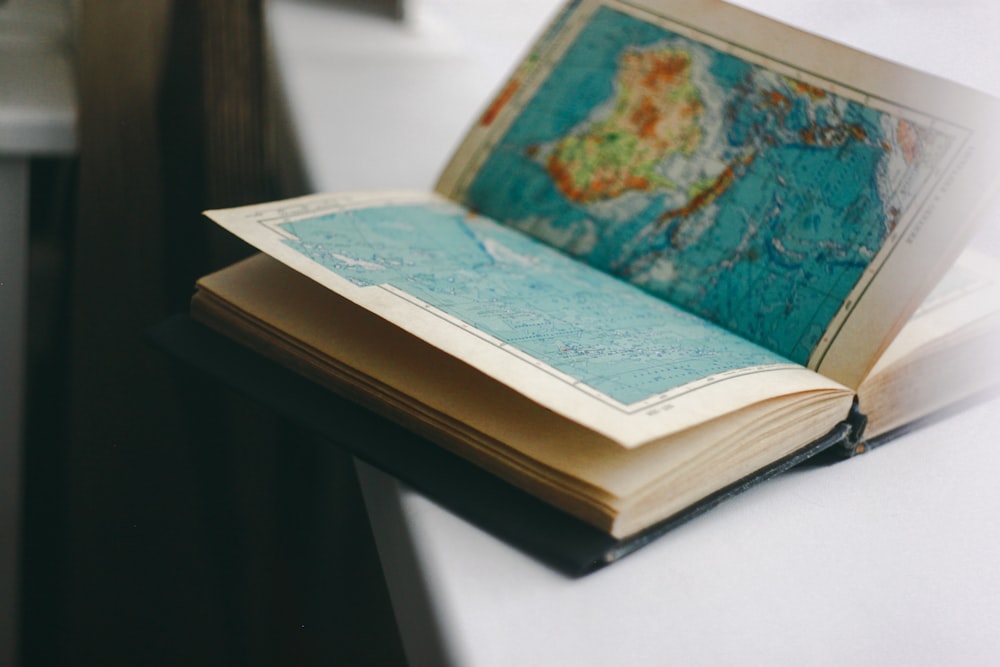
(593, 329)
(578, 341)
(729, 184)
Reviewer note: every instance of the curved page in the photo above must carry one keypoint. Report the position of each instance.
(581, 343)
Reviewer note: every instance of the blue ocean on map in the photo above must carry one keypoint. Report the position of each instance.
(756, 200)
(599, 331)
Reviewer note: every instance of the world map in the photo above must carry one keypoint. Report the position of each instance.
(735, 191)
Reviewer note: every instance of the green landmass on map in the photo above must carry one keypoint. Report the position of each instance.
(655, 113)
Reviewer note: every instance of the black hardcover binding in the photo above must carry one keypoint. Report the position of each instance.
(554, 537)
(851, 445)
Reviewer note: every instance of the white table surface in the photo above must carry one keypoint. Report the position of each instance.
(887, 559)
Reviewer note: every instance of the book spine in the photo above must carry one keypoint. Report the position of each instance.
(850, 446)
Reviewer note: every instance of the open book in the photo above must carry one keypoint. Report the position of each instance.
(677, 247)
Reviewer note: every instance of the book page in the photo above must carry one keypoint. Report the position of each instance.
(947, 353)
(575, 340)
(798, 193)
(968, 293)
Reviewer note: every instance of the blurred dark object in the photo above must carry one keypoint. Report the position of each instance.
(168, 521)
(395, 9)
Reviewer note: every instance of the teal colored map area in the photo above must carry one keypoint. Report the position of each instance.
(734, 191)
(596, 329)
